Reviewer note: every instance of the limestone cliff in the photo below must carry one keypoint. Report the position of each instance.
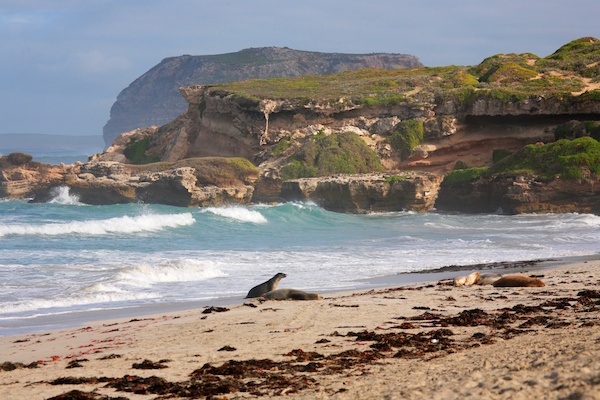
(368, 192)
(153, 98)
(416, 122)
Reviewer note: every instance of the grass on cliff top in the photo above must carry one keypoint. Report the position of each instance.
(217, 171)
(567, 159)
(507, 77)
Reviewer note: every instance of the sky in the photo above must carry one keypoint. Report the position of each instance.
(63, 62)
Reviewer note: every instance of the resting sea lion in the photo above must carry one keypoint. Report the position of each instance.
(487, 279)
(466, 280)
(518, 281)
(265, 287)
(291, 294)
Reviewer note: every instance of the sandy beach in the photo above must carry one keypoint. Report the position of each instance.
(415, 341)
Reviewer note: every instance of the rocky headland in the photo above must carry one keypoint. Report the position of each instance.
(516, 133)
(153, 98)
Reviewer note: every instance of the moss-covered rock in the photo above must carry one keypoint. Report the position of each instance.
(136, 152)
(569, 159)
(322, 155)
(406, 136)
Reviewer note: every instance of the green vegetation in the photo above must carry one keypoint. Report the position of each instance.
(580, 56)
(462, 79)
(505, 77)
(406, 136)
(567, 159)
(322, 155)
(574, 129)
(394, 178)
(282, 146)
(499, 154)
(460, 165)
(508, 72)
(460, 177)
(136, 152)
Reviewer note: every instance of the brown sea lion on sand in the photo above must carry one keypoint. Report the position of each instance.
(466, 280)
(487, 279)
(291, 294)
(265, 287)
(518, 281)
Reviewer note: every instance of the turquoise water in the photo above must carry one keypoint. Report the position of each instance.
(67, 259)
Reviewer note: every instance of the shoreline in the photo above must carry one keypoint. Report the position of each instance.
(476, 341)
(68, 320)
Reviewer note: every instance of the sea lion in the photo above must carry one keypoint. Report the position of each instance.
(265, 287)
(487, 279)
(466, 280)
(518, 281)
(291, 294)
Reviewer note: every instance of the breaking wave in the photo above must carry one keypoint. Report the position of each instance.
(238, 213)
(116, 225)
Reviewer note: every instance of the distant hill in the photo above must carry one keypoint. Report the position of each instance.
(153, 98)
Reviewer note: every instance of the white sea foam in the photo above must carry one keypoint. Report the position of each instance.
(94, 294)
(183, 270)
(238, 213)
(116, 225)
(62, 195)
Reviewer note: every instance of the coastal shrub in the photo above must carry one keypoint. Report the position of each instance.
(322, 155)
(135, 151)
(460, 165)
(282, 146)
(593, 129)
(499, 154)
(564, 158)
(463, 176)
(508, 72)
(462, 79)
(16, 159)
(406, 136)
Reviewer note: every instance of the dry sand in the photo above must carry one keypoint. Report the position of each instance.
(418, 341)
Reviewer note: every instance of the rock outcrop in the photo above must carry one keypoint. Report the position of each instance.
(99, 183)
(153, 98)
(367, 193)
(522, 194)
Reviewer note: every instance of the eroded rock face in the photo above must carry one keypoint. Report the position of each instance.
(367, 193)
(107, 182)
(522, 194)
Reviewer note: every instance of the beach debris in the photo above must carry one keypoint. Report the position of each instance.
(213, 309)
(76, 363)
(300, 371)
(147, 364)
(11, 366)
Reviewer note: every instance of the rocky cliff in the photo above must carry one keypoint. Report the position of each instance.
(153, 98)
(409, 123)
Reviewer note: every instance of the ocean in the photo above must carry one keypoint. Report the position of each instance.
(63, 263)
